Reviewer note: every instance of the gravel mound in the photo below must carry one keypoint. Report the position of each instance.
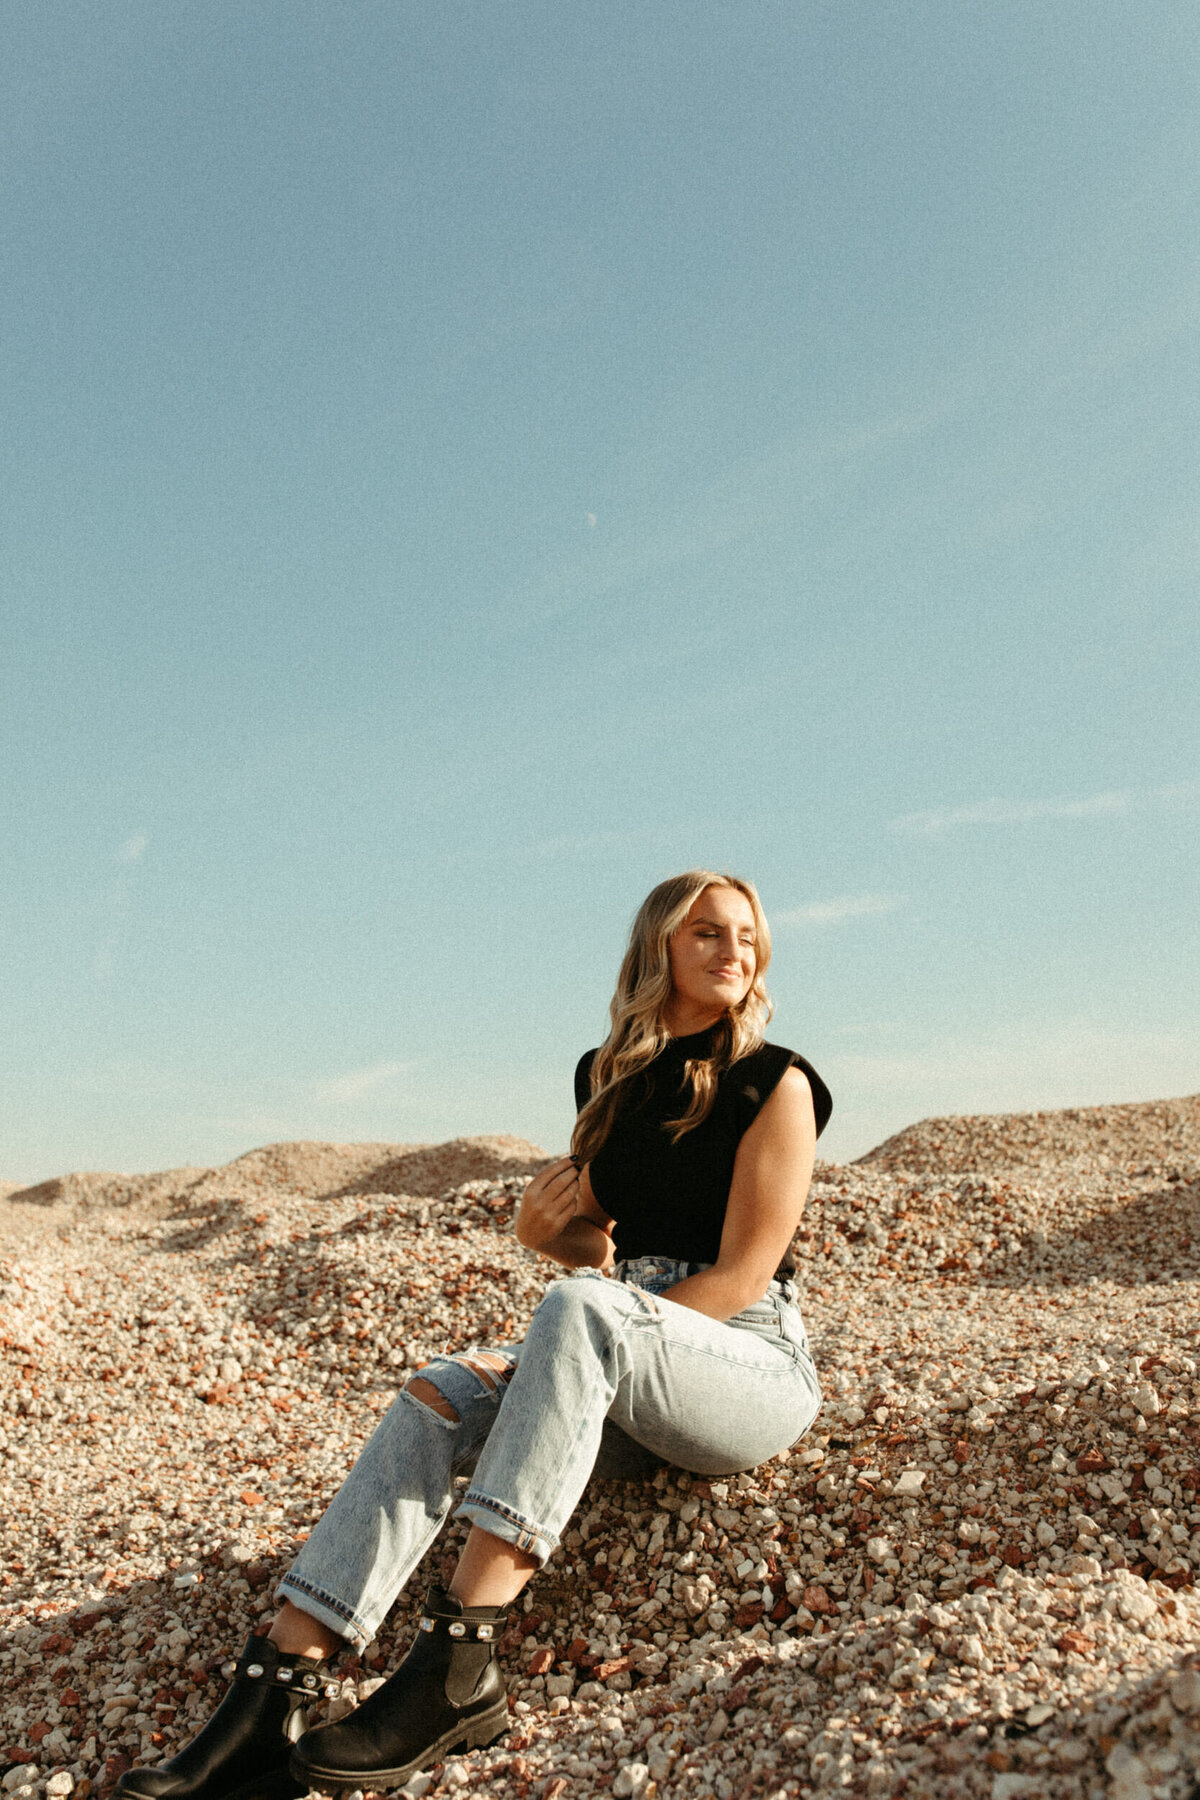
(311, 1169)
(1084, 1137)
(87, 1188)
(974, 1577)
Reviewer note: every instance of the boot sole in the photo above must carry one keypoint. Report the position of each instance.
(473, 1734)
(280, 1786)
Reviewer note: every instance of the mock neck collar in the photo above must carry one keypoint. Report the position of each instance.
(696, 1043)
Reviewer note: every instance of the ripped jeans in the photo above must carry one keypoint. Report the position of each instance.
(611, 1380)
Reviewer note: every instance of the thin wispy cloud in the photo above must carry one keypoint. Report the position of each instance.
(360, 1084)
(751, 496)
(836, 912)
(1110, 804)
(117, 906)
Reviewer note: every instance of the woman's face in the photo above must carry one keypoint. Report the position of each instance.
(713, 960)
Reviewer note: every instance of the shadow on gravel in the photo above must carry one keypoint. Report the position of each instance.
(89, 1191)
(422, 1174)
(201, 1223)
(1145, 1240)
(125, 1639)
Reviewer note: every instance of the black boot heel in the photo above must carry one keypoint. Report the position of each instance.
(242, 1753)
(447, 1695)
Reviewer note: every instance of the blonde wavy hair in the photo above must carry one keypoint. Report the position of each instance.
(637, 1032)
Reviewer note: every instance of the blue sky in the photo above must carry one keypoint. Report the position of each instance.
(467, 462)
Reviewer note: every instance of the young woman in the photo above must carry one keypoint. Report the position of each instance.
(676, 1339)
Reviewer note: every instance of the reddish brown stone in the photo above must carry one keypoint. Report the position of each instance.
(1091, 1461)
(744, 1670)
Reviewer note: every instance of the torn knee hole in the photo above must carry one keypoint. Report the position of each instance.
(428, 1395)
(488, 1365)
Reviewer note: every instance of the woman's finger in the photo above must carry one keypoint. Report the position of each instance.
(558, 1199)
(556, 1189)
(548, 1177)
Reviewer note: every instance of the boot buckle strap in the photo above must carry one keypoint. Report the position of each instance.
(286, 1675)
(461, 1628)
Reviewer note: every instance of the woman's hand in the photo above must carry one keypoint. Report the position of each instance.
(558, 1215)
(548, 1204)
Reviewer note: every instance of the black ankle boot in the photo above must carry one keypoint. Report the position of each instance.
(447, 1695)
(242, 1753)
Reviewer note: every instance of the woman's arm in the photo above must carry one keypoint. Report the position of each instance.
(560, 1216)
(771, 1174)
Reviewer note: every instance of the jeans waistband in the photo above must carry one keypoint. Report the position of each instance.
(654, 1273)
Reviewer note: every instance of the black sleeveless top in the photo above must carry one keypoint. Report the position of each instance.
(669, 1199)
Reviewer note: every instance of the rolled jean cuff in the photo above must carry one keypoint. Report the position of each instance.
(513, 1527)
(327, 1609)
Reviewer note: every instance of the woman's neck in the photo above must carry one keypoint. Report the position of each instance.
(684, 1020)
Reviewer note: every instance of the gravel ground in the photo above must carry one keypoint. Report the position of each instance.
(973, 1578)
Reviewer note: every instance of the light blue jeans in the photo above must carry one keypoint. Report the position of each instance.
(612, 1379)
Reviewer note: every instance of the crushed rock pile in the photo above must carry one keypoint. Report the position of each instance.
(1081, 1137)
(974, 1577)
